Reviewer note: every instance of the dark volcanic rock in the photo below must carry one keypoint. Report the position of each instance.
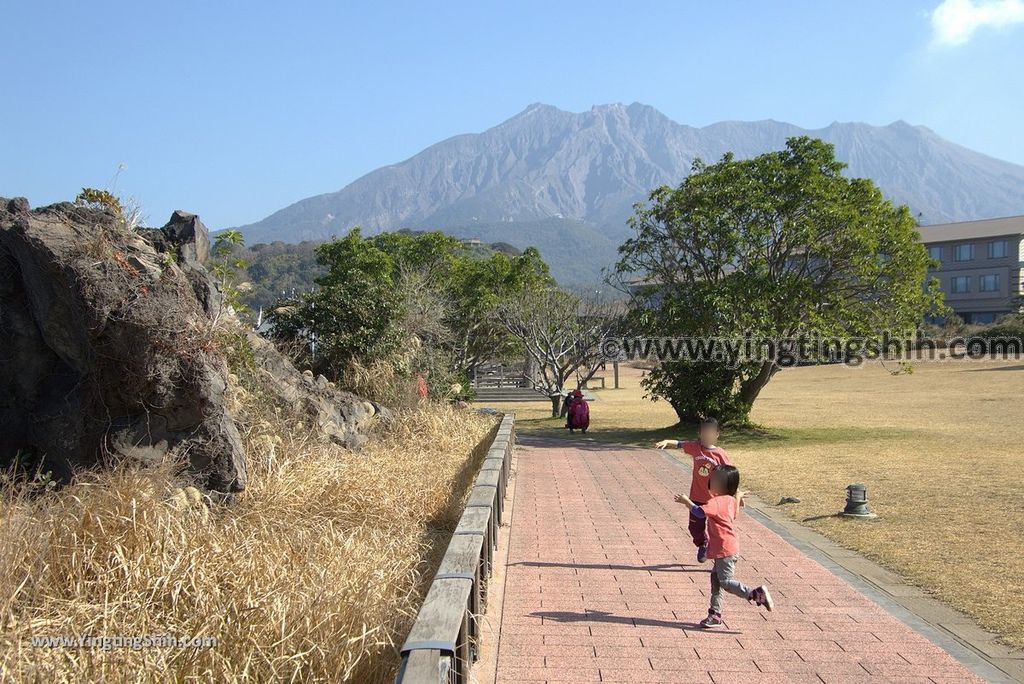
(104, 347)
(186, 240)
(342, 416)
(186, 232)
(107, 349)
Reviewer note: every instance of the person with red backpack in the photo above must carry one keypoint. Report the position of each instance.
(579, 413)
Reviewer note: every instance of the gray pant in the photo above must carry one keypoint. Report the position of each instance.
(721, 578)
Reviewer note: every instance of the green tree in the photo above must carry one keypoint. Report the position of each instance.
(432, 254)
(226, 266)
(417, 301)
(353, 313)
(478, 288)
(278, 270)
(772, 247)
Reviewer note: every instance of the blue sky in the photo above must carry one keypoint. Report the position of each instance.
(234, 110)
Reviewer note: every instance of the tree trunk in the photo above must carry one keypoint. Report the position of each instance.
(556, 403)
(685, 417)
(751, 387)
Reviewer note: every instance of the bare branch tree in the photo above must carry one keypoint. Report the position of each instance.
(561, 334)
(425, 306)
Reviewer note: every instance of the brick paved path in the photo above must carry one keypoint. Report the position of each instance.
(602, 585)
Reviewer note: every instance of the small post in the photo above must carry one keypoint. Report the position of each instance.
(857, 502)
(615, 369)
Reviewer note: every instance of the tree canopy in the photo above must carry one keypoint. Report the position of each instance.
(422, 302)
(769, 247)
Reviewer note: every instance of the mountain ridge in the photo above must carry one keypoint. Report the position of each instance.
(545, 164)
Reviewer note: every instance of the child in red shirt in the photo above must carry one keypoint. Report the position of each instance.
(706, 457)
(723, 546)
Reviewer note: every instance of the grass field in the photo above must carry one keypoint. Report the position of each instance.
(939, 449)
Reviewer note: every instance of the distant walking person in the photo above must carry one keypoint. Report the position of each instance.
(579, 413)
(723, 545)
(706, 457)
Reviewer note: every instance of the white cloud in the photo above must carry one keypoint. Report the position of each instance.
(954, 22)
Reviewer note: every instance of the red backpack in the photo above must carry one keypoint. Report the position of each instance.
(579, 413)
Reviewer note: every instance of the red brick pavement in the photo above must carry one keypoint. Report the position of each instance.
(602, 584)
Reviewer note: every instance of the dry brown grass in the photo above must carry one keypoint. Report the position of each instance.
(939, 449)
(315, 575)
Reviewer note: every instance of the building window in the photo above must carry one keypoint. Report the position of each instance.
(964, 252)
(935, 253)
(997, 249)
(990, 283)
(960, 284)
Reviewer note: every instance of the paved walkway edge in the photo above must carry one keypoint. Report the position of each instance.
(485, 670)
(952, 631)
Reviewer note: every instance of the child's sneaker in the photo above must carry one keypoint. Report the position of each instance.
(712, 620)
(702, 553)
(761, 597)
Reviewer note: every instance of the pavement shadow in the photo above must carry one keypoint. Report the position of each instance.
(610, 618)
(662, 567)
(582, 443)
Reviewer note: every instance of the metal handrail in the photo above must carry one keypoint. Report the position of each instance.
(444, 640)
(501, 383)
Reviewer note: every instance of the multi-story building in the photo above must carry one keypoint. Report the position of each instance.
(981, 265)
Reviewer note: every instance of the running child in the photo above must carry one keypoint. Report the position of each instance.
(723, 545)
(706, 457)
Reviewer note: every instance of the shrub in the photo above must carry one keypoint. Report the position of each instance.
(999, 338)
